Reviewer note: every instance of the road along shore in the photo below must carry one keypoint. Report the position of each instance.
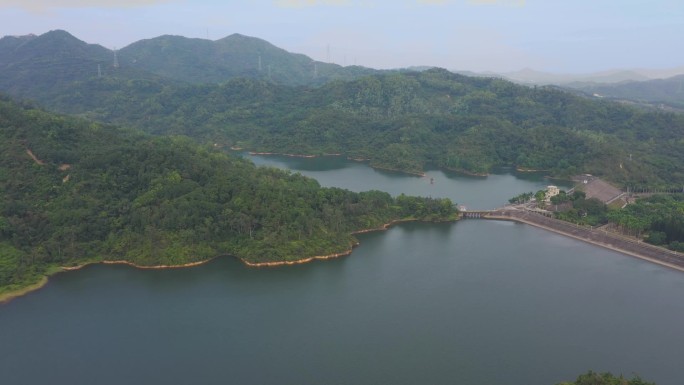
(597, 237)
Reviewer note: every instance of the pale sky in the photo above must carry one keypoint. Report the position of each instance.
(571, 36)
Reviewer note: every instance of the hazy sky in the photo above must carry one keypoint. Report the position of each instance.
(499, 35)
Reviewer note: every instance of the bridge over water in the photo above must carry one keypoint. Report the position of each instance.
(502, 213)
(481, 214)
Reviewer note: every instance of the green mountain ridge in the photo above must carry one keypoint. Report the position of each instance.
(206, 61)
(40, 67)
(34, 67)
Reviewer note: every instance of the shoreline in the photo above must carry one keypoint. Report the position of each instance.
(464, 172)
(368, 160)
(291, 155)
(414, 173)
(523, 169)
(10, 295)
(299, 261)
(383, 227)
(157, 267)
(618, 249)
(6, 297)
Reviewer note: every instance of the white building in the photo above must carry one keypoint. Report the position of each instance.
(551, 191)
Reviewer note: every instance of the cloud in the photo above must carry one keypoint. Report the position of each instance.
(498, 2)
(44, 5)
(309, 3)
(474, 2)
(432, 2)
(313, 3)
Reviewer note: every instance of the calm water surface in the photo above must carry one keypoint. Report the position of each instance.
(474, 192)
(475, 302)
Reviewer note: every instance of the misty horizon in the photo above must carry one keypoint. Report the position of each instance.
(482, 36)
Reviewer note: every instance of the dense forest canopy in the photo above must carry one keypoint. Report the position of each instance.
(405, 121)
(397, 120)
(36, 66)
(660, 218)
(235, 56)
(76, 191)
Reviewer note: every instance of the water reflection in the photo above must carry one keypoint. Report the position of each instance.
(472, 191)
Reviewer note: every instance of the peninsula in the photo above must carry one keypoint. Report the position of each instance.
(162, 202)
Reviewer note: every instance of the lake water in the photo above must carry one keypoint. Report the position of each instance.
(475, 302)
(480, 193)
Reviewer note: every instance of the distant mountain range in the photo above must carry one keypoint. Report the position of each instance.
(653, 88)
(39, 67)
(206, 61)
(660, 92)
(533, 77)
(58, 57)
(32, 65)
(244, 92)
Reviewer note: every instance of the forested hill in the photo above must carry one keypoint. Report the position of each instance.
(397, 120)
(207, 61)
(406, 121)
(39, 67)
(76, 191)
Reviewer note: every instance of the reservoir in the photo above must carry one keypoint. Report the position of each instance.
(474, 302)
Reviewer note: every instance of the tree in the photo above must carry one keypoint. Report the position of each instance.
(593, 378)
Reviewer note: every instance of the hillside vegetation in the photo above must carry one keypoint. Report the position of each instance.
(405, 121)
(39, 67)
(235, 56)
(75, 191)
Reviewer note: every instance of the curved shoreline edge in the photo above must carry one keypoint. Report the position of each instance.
(594, 242)
(345, 253)
(413, 173)
(6, 297)
(10, 295)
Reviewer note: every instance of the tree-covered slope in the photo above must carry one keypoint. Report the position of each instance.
(403, 121)
(42, 67)
(406, 121)
(206, 61)
(76, 191)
